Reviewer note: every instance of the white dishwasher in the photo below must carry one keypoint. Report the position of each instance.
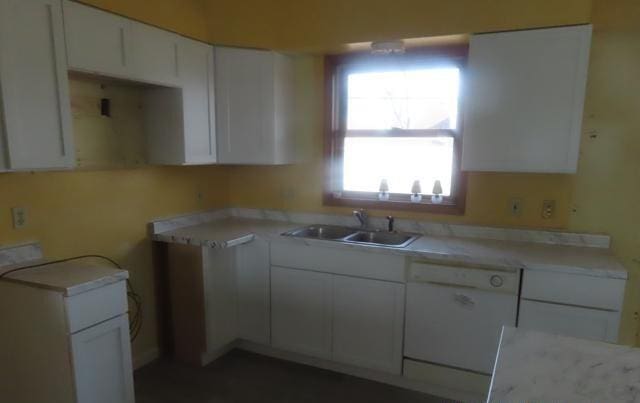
(454, 315)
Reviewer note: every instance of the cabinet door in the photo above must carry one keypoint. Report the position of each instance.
(34, 86)
(245, 106)
(195, 66)
(102, 363)
(301, 311)
(97, 41)
(569, 320)
(368, 319)
(155, 54)
(252, 271)
(221, 312)
(524, 96)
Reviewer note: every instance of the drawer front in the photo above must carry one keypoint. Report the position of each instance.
(491, 280)
(95, 306)
(593, 292)
(339, 261)
(569, 320)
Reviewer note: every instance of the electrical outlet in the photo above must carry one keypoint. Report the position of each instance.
(19, 217)
(515, 207)
(548, 209)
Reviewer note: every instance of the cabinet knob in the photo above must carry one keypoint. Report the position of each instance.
(496, 280)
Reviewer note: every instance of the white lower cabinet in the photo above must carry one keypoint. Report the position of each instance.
(60, 348)
(346, 319)
(102, 363)
(301, 311)
(252, 276)
(368, 317)
(572, 304)
(569, 320)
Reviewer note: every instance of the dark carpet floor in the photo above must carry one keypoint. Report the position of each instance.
(242, 377)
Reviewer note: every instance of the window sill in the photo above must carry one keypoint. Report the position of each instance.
(447, 207)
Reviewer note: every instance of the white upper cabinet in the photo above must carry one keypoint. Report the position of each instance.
(524, 96)
(196, 79)
(180, 123)
(97, 42)
(35, 116)
(254, 101)
(102, 43)
(154, 54)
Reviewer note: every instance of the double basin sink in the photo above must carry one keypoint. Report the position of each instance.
(353, 235)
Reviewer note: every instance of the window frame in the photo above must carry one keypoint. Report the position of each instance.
(337, 68)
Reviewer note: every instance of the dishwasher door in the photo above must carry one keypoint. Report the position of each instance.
(456, 326)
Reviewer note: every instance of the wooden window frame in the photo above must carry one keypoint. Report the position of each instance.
(336, 67)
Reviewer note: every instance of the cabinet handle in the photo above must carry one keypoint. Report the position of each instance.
(465, 300)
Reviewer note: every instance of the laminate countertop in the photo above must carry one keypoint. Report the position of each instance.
(538, 367)
(230, 231)
(69, 278)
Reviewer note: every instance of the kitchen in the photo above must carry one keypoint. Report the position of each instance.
(150, 163)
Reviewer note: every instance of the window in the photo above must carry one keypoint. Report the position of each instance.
(394, 120)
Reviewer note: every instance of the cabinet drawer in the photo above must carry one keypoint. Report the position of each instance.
(569, 320)
(95, 306)
(594, 292)
(339, 261)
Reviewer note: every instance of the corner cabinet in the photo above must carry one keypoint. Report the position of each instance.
(35, 116)
(180, 122)
(254, 103)
(524, 97)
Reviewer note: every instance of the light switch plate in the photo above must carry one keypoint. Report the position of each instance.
(19, 215)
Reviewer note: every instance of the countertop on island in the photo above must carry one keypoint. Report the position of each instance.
(231, 231)
(538, 367)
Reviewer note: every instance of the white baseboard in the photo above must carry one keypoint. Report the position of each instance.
(391, 379)
(145, 357)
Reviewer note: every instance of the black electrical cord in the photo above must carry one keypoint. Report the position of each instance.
(135, 317)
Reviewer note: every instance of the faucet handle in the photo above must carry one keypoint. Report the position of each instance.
(391, 220)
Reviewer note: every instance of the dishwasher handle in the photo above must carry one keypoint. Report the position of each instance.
(464, 300)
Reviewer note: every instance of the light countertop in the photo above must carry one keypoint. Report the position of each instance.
(538, 367)
(231, 231)
(69, 278)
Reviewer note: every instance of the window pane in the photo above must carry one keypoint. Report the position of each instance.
(405, 99)
(399, 160)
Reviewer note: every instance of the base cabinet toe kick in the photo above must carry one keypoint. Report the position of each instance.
(396, 319)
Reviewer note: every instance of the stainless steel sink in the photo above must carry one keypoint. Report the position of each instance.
(352, 235)
(329, 232)
(394, 239)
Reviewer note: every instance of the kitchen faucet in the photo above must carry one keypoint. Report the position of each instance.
(390, 220)
(362, 217)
